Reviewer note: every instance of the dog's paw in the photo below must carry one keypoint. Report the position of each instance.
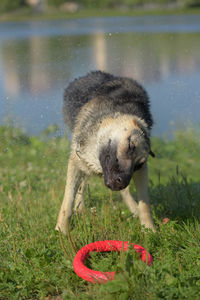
(149, 227)
(61, 228)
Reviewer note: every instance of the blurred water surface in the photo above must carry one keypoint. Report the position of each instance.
(38, 59)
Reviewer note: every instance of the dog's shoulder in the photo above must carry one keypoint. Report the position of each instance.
(80, 91)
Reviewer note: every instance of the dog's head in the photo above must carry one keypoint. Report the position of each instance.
(125, 149)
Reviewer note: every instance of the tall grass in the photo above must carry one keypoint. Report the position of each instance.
(35, 262)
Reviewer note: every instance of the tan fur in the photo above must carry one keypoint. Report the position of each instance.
(87, 140)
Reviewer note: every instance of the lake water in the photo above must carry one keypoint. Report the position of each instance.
(38, 59)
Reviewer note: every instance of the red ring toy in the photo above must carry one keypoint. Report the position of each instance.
(104, 246)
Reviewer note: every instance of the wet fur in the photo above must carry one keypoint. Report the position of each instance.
(115, 94)
(110, 121)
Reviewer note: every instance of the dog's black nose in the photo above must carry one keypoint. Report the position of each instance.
(119, 180)
(120, 183)
(116, 184)
(108, 183)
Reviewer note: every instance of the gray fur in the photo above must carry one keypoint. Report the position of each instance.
(110, 121)
(115, 94)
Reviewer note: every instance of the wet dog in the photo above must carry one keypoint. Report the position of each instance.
(110, 121)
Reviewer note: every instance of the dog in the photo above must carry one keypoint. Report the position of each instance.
(110, 121)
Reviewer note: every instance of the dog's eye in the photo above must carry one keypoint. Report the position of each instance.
(140, 163)
(131, 146)
(138, 166)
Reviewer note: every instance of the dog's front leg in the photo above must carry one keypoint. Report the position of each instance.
(74, 177)
(79, 200)
(141, 183)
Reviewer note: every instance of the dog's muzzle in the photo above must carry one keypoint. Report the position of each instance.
(117, 182)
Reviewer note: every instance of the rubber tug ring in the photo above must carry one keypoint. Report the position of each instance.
(104, 246)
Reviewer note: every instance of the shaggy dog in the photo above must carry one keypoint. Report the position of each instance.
(110, 121)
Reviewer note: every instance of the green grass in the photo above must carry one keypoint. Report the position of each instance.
(36, 263)
(27, 14)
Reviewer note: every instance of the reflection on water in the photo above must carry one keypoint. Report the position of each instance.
(34, 71)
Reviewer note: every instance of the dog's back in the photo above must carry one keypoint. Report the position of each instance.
(125, 94)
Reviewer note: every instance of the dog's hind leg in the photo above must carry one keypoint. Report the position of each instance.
(144, 211)
(79, 200)
(74, 178)
(129, 200)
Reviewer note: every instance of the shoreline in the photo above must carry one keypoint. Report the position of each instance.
(28, 15)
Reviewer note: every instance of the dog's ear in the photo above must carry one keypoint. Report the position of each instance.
(151, 153)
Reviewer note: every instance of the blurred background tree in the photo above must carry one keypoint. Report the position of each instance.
(56, 2)
(132, 3)
(9, 5)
